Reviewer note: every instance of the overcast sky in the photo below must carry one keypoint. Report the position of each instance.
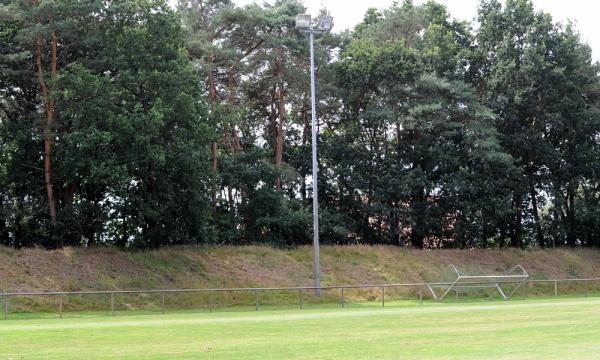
(584, 13)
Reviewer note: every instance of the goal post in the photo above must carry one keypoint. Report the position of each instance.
(451, 278)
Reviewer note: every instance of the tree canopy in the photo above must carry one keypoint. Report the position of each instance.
(136, 124)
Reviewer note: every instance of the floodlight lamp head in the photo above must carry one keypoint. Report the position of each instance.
(325, 23)
(303, 22)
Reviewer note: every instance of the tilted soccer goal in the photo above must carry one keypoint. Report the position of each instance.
(451, 278)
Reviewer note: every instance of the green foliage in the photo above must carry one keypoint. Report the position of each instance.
(425, 148)
(130, 135)
(540, 81)
(193, 126)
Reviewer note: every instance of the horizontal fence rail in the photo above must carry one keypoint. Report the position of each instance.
(421, 287)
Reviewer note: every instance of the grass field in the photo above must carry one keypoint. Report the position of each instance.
(531, 329)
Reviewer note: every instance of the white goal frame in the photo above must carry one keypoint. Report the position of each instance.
(516, 276)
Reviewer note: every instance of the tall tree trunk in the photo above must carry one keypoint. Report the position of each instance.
(230, 199)
(571, 226)
(212, 88)
(417, 234)
(273, 115)
(394, 228)
(280, 136)
(212, 97)
(536, 217)
(226, 127)
(215, 185)
(49, 105)
(558, 219)
(237, 145)
(213, 156)
(516, 235)
(233, 142)
(502, 228)
(559, 214)
(3, 231)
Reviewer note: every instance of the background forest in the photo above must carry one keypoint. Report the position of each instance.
(135, 124)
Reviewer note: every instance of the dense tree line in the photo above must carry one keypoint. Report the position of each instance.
(136, 124)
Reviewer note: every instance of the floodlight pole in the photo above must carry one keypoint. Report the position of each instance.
(315, 189)
(304, 23)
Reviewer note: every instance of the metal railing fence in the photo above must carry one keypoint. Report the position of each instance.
(419, 289)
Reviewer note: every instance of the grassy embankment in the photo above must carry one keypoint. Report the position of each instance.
(75, 269)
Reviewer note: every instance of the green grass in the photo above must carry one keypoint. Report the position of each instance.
(531, 329)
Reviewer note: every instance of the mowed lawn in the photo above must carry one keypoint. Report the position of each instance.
(532, 329)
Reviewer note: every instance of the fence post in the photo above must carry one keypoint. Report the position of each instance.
(60, 306)
(5, 307)
(382, 296)
(210, 302)
(300, 295)
(556, 288)
(112, 304)
(421, 295)
(343, 300)
(586, 287)
(256, 292)
(162, 302)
